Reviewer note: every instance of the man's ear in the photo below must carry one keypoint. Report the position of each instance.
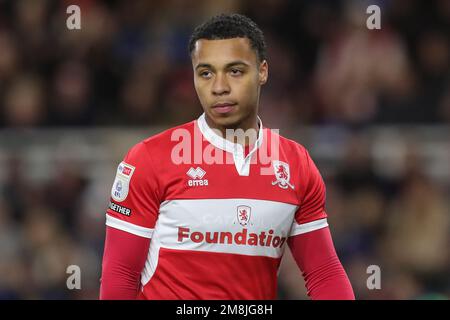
(263, 72)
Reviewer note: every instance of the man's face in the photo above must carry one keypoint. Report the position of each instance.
(227, 78)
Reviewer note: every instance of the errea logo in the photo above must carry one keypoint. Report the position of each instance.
(196, 174)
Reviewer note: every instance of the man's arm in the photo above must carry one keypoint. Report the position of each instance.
(130, 220)
(323, 272)
(123, 260)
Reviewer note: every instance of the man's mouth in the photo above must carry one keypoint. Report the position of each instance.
(224, 107)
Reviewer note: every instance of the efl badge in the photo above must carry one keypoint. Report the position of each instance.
(282, 174)
(119, 191)
(243, 215)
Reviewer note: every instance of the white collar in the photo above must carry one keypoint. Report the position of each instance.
(241, 163)
(225, 144)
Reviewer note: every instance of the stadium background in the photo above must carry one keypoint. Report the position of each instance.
(373, 107)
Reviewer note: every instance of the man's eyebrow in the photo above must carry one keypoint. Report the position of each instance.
(237, 62)
(203, 65)
(230, 64)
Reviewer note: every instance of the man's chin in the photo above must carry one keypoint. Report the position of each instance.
(225, 120)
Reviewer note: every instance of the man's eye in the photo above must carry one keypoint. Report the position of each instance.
(236, 72)
(205, 74)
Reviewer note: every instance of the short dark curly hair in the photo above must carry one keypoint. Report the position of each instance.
(227, 26)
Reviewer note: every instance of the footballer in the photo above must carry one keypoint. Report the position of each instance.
(199, 213)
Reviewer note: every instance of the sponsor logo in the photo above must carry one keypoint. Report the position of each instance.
(119, 209)
(125, 170)
(196, 174)
(121, 185)
(282, 174)
(244, 237)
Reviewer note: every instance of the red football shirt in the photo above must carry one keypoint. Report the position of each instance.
(218, 218)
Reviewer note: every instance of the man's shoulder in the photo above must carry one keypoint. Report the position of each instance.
(297, 156)
(167, 135)
(163, 140)
(289, 146)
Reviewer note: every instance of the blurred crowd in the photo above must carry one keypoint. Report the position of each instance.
(128, 66)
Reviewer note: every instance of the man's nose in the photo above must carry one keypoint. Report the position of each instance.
(220, 85)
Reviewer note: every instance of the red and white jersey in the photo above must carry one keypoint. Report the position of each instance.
(218, 219)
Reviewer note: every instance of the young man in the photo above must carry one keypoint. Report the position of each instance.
(199, 213)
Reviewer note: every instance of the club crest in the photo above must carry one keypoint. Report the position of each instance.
(243, 215)
(282, 174)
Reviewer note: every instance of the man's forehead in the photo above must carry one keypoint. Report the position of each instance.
(223, 50)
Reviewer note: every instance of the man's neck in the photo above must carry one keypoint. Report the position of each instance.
(251, 123)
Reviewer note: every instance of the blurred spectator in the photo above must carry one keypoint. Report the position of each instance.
(9, 57)
(71, 103)
(24, 102)
(422, 211)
